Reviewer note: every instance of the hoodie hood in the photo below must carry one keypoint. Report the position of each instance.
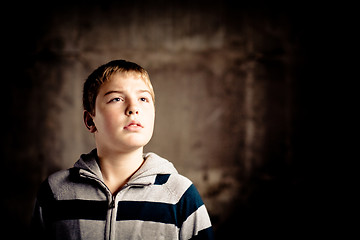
(88, 167)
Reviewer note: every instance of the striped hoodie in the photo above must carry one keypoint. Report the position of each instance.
(156, 203)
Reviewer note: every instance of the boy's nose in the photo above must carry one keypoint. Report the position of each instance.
(132, 110)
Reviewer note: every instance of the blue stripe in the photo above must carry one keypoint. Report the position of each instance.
(161, 179)
(76, 209)
(188, 203)
(161, 212)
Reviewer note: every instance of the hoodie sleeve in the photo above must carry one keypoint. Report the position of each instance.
(39, 229)
(196, 222)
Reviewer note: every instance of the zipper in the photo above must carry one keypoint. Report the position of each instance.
(111, 198)
(112, 203)
(109, 231)
(111, 218)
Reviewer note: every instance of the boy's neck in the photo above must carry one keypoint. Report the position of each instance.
(118, 167)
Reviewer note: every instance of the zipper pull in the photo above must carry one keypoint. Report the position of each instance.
(112, 203)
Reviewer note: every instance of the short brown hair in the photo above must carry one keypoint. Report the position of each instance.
(103, 73)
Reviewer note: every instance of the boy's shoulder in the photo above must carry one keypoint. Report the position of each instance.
(177, 186)
(173, 181)
(59, 177)
(58, 182)
(166, 176)
(52, 184)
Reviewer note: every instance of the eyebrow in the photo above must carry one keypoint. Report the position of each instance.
(122, 92)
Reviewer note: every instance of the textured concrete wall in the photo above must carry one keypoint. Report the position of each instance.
(228, 81)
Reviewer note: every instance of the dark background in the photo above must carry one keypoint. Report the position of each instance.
(242, 96)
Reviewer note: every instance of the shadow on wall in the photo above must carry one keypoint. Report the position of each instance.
(229, 82)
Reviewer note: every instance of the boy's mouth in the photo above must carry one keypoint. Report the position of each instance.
(133, 125)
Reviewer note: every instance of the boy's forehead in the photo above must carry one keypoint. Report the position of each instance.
(124, 80)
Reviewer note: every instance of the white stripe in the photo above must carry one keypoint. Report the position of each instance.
(170, 192)
(136, 229)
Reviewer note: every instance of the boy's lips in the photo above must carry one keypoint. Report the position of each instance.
(133, 125)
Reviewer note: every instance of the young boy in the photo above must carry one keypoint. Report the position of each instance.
(116, 191)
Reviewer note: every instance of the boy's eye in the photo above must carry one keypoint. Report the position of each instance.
(116, 100)
(143, 99)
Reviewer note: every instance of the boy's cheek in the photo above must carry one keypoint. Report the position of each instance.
(153, 120)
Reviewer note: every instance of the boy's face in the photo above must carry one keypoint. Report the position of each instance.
(124, 113)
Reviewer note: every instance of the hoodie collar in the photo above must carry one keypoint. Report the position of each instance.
(88, 167)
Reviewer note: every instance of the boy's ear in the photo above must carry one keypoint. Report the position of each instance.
(89, 122)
